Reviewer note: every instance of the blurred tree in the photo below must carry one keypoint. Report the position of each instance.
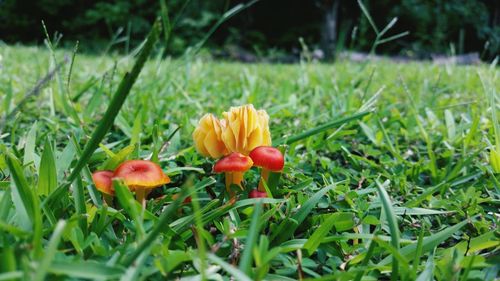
(329, 30)
(267, 27)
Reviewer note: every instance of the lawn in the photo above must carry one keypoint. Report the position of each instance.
(407, 188)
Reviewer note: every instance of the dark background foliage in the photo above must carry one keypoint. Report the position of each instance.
(269, 26)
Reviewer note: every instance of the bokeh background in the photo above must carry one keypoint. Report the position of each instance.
(269, 28)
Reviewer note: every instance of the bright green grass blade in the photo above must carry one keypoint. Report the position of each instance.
(5, 203)
(50, 252)
(10, 276)
(47, 175)
(315, 239)
(22, 195)
(113, 108)
(113, 162)
(7, 259)
(253, 232)
(86, 269)
(129, 204)
(319, 129)
(393, 225)
(287, 228)
(429, 242)
(235, 272)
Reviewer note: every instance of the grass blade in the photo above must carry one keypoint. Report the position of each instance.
(50, 252)
(21, 192)
(236, 273)
(199, 231)
(253, 233)
(286, 229)
(47, 175)
(393, 225)
(429, 242)
(365, 261)
(29, 147)
(320, 129)
(86, 269)
(315, 239)
(367, 15)
(427, 274)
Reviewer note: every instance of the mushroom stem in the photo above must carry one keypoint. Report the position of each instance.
(264, 175)
(237, 179)
(233, 178)
(140, 195)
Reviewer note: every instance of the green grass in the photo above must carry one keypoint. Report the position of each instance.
(404, 187)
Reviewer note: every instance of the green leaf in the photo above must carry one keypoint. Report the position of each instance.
(393, 225)
(47, 175)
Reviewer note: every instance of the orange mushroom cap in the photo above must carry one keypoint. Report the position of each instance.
(234, 162)
(268, 157)
(103, 182)
(141, 173)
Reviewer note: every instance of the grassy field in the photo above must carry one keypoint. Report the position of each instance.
(409, 189)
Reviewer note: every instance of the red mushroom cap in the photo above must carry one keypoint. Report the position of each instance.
(268, 157)
(102, 180)
(257, 194)
(141, 173)
(234, 162)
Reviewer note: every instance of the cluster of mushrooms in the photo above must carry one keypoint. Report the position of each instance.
(240, 141)
(234, 165)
